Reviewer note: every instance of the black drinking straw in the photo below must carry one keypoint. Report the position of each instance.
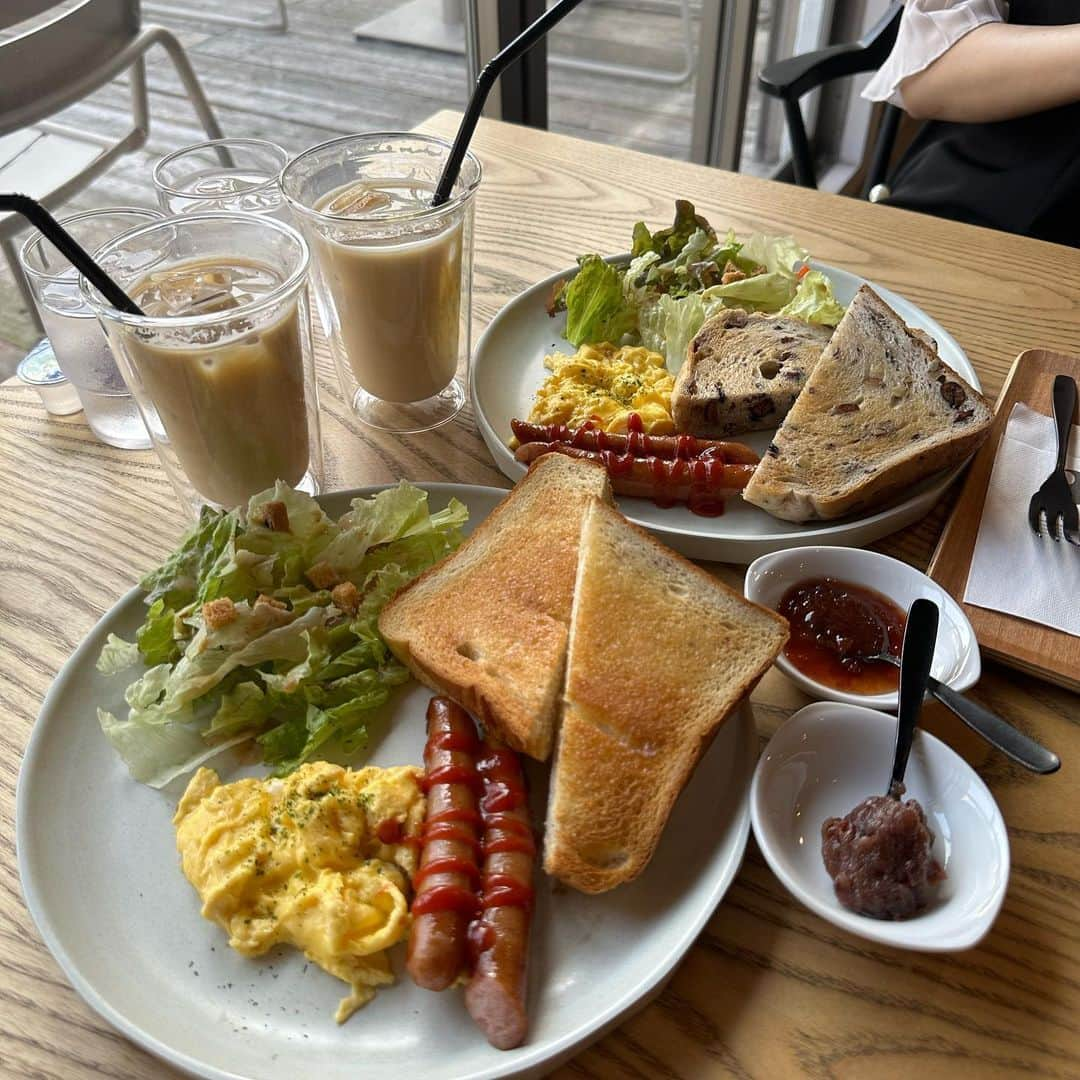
(39, 217)
(495, 67)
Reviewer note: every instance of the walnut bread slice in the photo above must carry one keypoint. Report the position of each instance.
(644, 696)
(488, 626)
(743, 372)
(880, 412)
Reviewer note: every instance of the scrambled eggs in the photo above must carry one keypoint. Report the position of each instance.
(315, 860)
(606, 383)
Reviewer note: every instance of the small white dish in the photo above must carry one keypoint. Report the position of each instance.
(825, 760)
(956, 656)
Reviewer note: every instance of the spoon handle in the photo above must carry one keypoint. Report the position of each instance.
(996, 731)
(920, 637)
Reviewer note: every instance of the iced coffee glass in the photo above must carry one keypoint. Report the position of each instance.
(220, 362)
(392, 275)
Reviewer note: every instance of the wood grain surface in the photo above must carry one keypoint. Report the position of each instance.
(769, 990)
(1041, 650)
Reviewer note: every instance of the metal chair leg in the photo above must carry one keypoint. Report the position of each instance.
(159, 35)
(12, 258)
(802, 160)
(140, 103)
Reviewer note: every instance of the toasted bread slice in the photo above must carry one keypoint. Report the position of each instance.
(879, 413)
(488, 625)
(660, 654)
(743, 372)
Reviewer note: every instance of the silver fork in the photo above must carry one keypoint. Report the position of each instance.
(1053, 502)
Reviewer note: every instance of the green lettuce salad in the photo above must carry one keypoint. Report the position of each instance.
(240, 644)
(675, 281)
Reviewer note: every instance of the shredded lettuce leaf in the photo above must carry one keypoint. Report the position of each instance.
(675, 281)
(814, 301)
(596, 307)
(117, 655)
(286, 668)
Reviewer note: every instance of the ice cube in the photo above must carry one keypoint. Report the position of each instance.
(358, 200)
(201, 291)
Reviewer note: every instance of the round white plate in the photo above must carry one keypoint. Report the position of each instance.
(508, 367)
(101, 877)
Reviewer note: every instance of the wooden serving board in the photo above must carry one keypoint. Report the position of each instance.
(1038, 650)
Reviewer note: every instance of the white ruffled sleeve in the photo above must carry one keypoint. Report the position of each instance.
(928, 28)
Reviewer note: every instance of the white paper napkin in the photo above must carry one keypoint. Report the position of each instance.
(1012, 569)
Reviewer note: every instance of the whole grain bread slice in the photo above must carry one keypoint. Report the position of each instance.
(488, 625)
(644, 696)
(743, 372)
(880, 412)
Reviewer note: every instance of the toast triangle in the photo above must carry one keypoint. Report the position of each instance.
(488, 625)
(880, 412)
(636, 716)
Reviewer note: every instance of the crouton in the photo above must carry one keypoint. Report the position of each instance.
(323, 576)
(269, 601)
(347, 597)
(218, 613)
(274, 516)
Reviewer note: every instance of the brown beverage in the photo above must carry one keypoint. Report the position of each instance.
(234, 411)
(398, 300)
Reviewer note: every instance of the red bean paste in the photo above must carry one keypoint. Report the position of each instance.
(879, 857)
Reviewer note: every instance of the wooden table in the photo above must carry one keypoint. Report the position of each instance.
(768, 990)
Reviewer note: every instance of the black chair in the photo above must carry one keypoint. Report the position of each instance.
(789, 79)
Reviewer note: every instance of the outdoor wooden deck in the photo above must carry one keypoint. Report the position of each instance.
(316, 81)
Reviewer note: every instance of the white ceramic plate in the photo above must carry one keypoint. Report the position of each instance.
(956, 652)
(508, 367)
(102, 880)
(825, 760)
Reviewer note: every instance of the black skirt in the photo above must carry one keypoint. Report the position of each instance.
(1020, 175)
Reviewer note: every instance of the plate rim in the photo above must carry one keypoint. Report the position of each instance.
(821, 531)
(538, 1058)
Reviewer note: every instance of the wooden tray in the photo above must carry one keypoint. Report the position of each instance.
(1038, 650)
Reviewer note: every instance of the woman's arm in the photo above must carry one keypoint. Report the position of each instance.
(996, 72)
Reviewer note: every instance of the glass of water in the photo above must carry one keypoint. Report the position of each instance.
(78, 342)
(227, 175)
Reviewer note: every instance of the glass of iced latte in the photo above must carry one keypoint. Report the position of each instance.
(392, 274)
(220, 361)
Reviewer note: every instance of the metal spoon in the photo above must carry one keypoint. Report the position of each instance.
(916, 655)
(997, 731)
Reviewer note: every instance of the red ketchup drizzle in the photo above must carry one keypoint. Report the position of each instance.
(446, 898)
(502, 890)
(451, 813)
(505, 842)
(452, 774)
(451, 864)
(506, 833)
(449, 831)
(390, 831)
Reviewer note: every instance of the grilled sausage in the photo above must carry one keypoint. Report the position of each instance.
(447, 880)
(701, 482)
(499, 937)
(635, 443)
